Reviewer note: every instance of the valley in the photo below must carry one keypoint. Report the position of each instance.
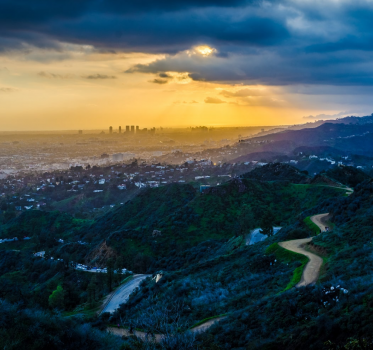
(196, 263)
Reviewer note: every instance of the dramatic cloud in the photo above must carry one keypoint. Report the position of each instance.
(285, 42)
(213, 100)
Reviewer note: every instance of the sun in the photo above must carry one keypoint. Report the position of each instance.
(204, 50)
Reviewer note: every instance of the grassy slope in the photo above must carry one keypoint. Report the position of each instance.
(187, 219)
(311, 226)
(288, 256)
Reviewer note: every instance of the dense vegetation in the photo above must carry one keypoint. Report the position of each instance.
(207, 268)
(35, 329)
(278, 172)
(187, 219)
(348, 175)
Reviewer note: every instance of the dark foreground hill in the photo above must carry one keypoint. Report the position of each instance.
(251, 287)
(208, 269)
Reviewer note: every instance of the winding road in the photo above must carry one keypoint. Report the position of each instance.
(312, 270)
(122, 294)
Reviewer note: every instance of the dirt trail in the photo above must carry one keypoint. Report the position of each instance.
(320, 220)
(312, 270)
(158, 337)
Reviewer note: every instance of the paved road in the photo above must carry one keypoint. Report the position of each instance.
(312, 270)
(121, 295)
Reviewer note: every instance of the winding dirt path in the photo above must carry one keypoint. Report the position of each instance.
(158, 337)
(309, 277)
(312, 270)
(320, 220)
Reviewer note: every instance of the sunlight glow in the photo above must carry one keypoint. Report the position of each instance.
(205, 50)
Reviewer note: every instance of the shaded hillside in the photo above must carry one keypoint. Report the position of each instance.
(51, 225)
(187, 218)
(249, 285)
(356, 139)
(347, 175)
(323, 179)
(278, 172)
(320, 151)
(261, 157)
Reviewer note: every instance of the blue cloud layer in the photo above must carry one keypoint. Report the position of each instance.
(282, 43)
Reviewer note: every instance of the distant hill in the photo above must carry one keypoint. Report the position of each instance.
(347, 175)
(351, 139)
(261, 156)
(346, 120)
(323, 179)
(320, 151)
(278, 172)
(352, 120)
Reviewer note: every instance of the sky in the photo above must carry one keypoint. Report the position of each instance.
(90, 64)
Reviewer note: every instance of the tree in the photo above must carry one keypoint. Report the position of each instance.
(91, 291)
(56, 299)
(267, 223)
(246, 219)
(165, 319)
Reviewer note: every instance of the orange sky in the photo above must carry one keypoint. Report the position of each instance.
(80, 89)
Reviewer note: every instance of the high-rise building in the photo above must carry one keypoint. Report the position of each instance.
(120, 129)
(137, 129)
(132, 129)
(127, 128)
(111, 130)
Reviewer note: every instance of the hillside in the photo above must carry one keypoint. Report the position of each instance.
(186, 219)
(345, 138)
(205, 263)
(348, 175)
(278, 172)
(250, 286)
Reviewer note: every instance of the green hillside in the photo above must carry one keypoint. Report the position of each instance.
(187, 218)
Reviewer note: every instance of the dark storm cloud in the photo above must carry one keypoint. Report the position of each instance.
(149, 26)
(285, 42)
